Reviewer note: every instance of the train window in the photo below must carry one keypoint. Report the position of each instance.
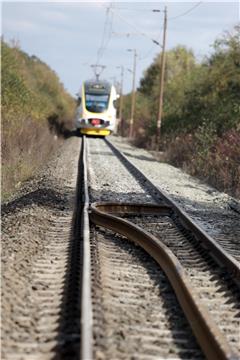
(97, 103)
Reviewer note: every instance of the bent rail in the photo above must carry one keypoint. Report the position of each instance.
(210, 338)
(220, 255)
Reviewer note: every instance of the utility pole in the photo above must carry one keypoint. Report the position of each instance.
(133, 93)
(121, 99)
(162, 71)
(96, 70)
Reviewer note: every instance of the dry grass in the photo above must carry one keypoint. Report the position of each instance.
(217, 164)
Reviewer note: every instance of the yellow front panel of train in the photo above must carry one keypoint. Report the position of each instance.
(101, 132)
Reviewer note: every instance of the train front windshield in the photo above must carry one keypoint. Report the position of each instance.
(96, 103)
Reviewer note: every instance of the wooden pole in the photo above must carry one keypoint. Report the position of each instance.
(121, 102)
(133, 94)
(162, 72)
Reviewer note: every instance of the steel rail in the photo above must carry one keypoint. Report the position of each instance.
(86, 303)
(210, 338)
(215, 250)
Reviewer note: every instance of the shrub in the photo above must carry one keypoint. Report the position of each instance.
(31, 93)
(201, 111)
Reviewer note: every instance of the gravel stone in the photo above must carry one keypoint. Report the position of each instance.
(35, 238)
(105, 172)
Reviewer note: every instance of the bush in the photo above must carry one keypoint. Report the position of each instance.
(201, 111)
(215, 159)
(31, 94)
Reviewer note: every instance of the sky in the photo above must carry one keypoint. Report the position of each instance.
(72, 36)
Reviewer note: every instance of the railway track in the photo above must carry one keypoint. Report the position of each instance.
(152, 285)
(136, 307)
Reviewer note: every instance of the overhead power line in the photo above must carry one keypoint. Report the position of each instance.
(134, 27)
(156, 42)
(107, 33)
(186, 12)
(147, 54)
(140, 9)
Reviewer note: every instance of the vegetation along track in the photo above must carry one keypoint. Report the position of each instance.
(136, 313)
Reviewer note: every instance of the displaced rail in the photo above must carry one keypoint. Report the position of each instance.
(153, 227)
(221, 255)
(207, 333)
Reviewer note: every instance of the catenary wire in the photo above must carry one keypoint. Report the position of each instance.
(107, 33)
(186, 12)
(134, 27)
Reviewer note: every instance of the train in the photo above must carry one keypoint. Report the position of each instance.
(96, 111)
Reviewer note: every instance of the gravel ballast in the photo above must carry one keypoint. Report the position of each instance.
(35, 248)
(110, 180)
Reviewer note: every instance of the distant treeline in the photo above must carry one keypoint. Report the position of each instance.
(33, 102)
(201, 116)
